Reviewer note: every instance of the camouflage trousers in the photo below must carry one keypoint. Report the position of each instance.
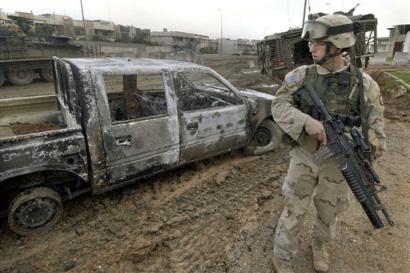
(305, 180)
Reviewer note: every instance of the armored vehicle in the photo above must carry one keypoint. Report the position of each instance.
(23, 57)
(281, 52)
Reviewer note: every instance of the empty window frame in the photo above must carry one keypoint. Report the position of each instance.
(198, 91)
(137, 96)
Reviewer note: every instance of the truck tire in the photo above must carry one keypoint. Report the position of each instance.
(46, 74)
(34, 210)
(267, 137)
(2, 78)
(20, 77)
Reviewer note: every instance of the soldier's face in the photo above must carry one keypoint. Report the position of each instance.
(317, 49)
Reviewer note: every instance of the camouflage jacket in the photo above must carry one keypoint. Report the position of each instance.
(291, 120)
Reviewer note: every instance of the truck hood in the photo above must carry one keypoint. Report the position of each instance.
(255, 95)
(260, 103)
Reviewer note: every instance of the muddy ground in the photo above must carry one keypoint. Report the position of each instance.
(215, 216)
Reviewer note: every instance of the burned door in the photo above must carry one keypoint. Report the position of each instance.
(213, 119)
(141, 136)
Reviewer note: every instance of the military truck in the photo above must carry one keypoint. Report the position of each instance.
(22, 57)
(281, 52)
(118, 120)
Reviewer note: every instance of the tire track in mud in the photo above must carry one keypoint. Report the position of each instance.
(194, 229)
(186, 221)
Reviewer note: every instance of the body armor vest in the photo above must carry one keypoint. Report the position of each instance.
(340, 92)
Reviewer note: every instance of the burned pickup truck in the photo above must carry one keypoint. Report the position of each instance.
(117, 121)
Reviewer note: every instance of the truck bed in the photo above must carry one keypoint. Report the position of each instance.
(19, 128)
(28, 115)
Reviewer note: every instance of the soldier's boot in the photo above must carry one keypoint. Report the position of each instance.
(282, 266)
(321, 258)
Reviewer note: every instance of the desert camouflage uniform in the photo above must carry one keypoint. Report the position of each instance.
(305, 177)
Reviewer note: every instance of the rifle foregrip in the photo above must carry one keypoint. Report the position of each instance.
(361, 196)
(357, 190)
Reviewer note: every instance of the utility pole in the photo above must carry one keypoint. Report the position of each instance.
(82, 13)
(55, 26)
(109, 10)
(304, 14)
(330, 7)
(221, 31)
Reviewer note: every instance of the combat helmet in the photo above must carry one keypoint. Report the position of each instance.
(337, 29)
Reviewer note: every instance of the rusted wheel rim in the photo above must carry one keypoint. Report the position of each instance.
(36, 213)
(34, 210)
(262, 137)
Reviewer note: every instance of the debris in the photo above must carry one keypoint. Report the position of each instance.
(221, 177)
(398, 92)
(66, 264)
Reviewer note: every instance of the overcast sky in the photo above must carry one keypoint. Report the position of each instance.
(240, 19)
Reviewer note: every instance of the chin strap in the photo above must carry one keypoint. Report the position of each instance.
(328, 54)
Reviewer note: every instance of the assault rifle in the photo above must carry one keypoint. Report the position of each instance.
(352, 156)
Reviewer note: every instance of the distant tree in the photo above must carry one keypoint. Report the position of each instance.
(24, 24)
(44, 30)
(208, 50)
(140, 38)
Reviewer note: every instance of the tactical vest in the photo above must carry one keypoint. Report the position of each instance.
(340, 92)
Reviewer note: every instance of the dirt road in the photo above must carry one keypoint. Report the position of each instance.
(214, 216)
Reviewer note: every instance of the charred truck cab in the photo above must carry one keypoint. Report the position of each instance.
(118, 120)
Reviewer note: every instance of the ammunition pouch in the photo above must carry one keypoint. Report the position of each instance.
(306, 106)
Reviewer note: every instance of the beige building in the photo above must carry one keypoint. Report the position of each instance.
(237, 47)
(178, 39)
(103, 30)
(97, 30)
(128, 34)
(382, 44)
(247, 47)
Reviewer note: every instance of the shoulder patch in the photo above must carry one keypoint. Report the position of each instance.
(291, 77)
(294, 79)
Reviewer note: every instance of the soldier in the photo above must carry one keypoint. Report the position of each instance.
(344, 89)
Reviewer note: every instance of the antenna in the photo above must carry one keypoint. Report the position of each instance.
(109, 10)
(304, 14)
(287, 6)
(350, 12)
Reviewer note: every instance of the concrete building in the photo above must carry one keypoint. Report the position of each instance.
(248, 47)
(103, 30)
(78, 29)
(229, 47)
(128, 34)
(382, 44)
(212, 46)
(396, 39)
(237, 47)
(179, 39)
